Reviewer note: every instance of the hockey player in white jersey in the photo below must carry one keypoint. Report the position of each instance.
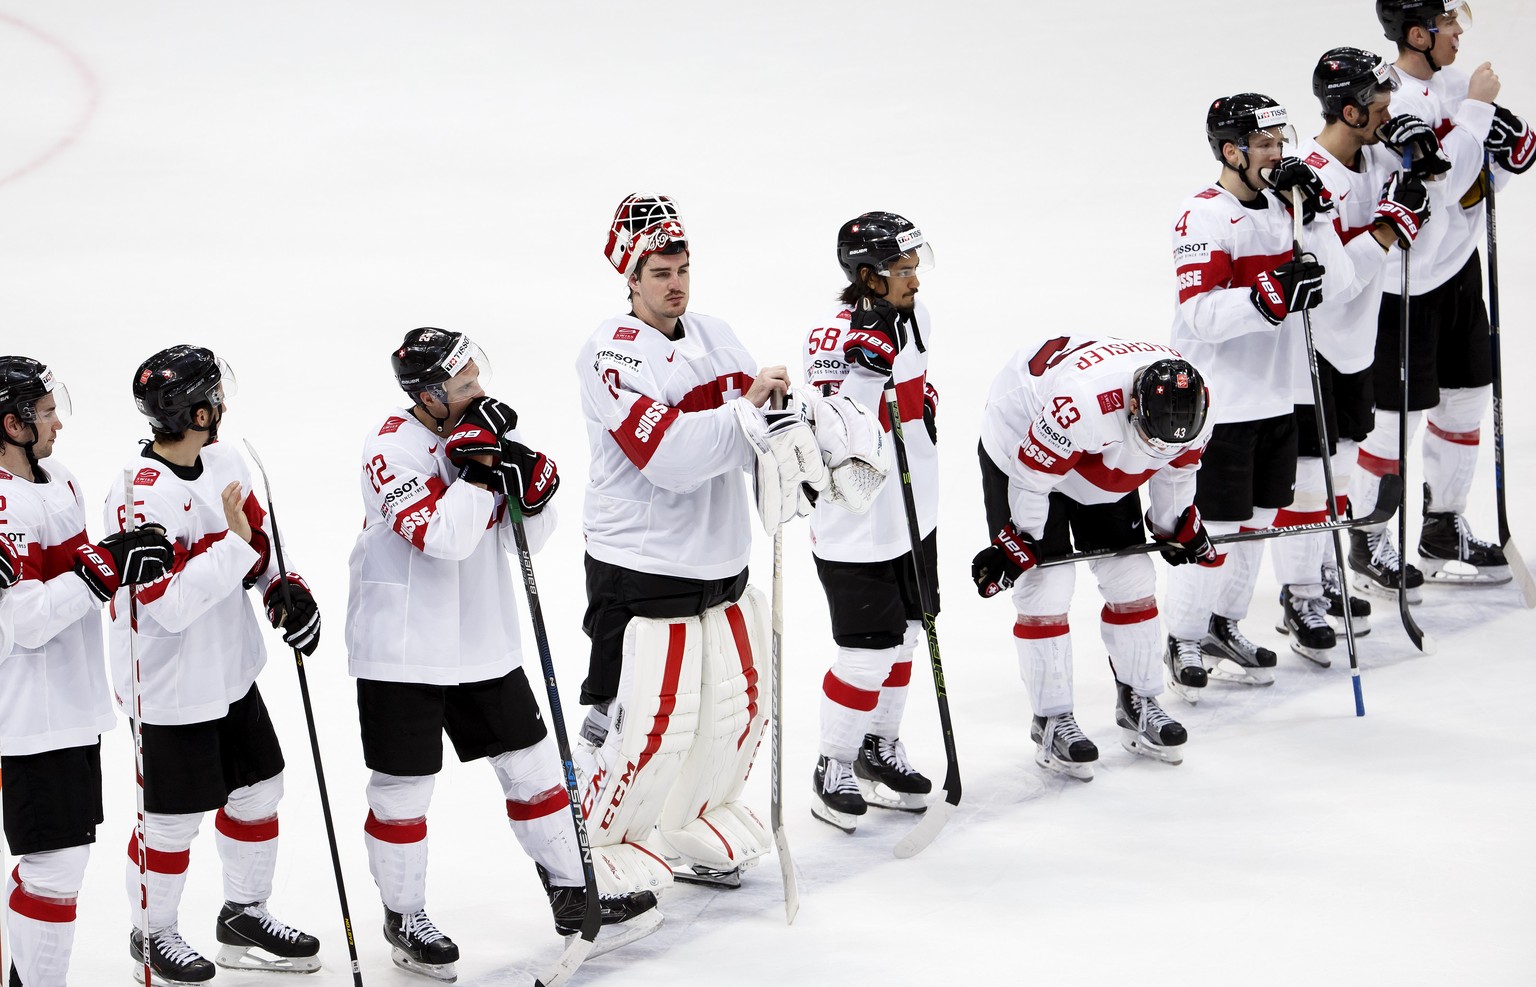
(54, 700)
(673, 406)
(1073, 428)
(1450, 363)
(878, 332)
(208, 740)
(432, 638)
(10, 566)
(1238, 290)
(1375, 208)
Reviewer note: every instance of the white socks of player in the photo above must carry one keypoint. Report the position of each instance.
(40, 895)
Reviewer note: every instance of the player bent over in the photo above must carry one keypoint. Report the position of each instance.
(1072, 429)
(208, 740)
(54, 703)
(673, 405)
(432, 638)
(879, 332)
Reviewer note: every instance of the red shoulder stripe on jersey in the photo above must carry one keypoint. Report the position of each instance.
(1246, 270)
(642, 430)
(1197, 279)
(748, 666)
(909, 401)
(1188, 457)
(45, 562)
(713, 394)
(150, 592)
(411, 521)
(1091, 468)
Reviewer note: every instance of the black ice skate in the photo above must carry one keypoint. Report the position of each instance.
(887, 779)
(1186, 669)
(625, 917)
(419, 947)
(1372, 554)
(1234, 658)
(1359, 606)
(1450, 553)
(251, 938)
(1305, 619)
(171, 960)
(1062, 747)
(1145, 729)
(838, 800)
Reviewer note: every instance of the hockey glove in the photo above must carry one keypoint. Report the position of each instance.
(1406, 132)
(1189, 541)
(10, 565)
(1008, 557)
(294, 612)
(1291, 287)
(931, 412)
(1510, 141)
(1293, 173)
(480, 431)
(871, 348)
(132, 557)
(1403, 208)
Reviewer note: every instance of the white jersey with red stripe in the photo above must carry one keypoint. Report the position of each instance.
(431, 594)
(666, 492)
(1453, 231)
(1058, 420)
(53, 683)
(881, 533)
(1220, 247)
(198, 641)
(1345, 329)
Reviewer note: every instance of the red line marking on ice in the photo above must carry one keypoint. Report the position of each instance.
(92, 89)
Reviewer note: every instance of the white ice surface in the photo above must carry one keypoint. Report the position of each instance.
(295, 184)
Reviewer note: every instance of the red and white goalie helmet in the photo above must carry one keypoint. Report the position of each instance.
(643, 224)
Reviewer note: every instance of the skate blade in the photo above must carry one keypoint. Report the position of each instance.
(1316, 656)
(445, 973)
(1081, 770)
(1232, 673)
(621, 934)
(232, 957)
(1454, 573)
(1373, 588)
(727, 879)
(1133, 742)
(1362, 625)
(159, 979)
(845, 821)
(1189, 693)
(885, 797)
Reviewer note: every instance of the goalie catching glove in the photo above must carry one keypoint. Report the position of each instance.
(1189, 541)
(519, 472)
(291, 608)
(996, 567)
(124, 557)
(788, 470)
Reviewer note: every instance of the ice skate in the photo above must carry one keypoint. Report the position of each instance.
(171, 960)
(1062, 746)
(251, 938)
(1372, 554)
(625, 917)
(1359, 606)
(1231, 657)
(1186, 669)
(887, 779)
(1450, 553)
(1304, 619)
(838, 800)
(419, 947)
(1145, 729)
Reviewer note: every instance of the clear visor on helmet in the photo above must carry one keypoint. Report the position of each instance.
(1270, 139)
(918, 260)
(226, 388)
(50, 409)
(1455, 13)
(1153, 446)
(469, 374)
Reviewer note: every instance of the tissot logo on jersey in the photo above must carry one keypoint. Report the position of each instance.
(1192, 251)
(615, 358)
(405, 490)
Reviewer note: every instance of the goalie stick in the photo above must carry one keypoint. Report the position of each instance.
(776, 752)
(309, 720)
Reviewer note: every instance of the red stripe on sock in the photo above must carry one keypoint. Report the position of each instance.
(161, 861)
(1287, 518)
(1038, 632)
(1376, 466)
(1341, 505)
(254, 831)
(1471, 438)
(1128, 617)
(840, 692)
(901, 674)
(549, 803)
(37, 907)
(398, 831)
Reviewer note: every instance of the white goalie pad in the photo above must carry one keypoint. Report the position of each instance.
(855, 450)
(704, 819)
(787, 457)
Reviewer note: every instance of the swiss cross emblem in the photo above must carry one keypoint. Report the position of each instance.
(1181, 381)
(673, 229)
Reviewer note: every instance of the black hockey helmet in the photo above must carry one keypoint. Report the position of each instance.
(1397, 16)
(874, 239)
(429, 357)
(170, 386)
(1170, 401)
(24, 382)
(1232, 118)
(1350, 77)
(644, 224)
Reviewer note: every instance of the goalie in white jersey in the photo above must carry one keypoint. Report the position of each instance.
(54, 700)
(208, 741)
(1073, 428)
(432, 638)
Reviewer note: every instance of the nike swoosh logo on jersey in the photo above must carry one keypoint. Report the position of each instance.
(432, 448)
(1344, 195)
(1234, 222)
(669, 358)
(188, 507)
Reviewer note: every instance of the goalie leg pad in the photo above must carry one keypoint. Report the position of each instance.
(700, 820)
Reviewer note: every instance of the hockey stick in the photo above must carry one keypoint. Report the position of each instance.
(938, 813)
(1415, 632)
(130, 521)
(1512, 554)
(1323, 451)
(1386, 505)
(309, 720)
(776, 753)
(580, 947)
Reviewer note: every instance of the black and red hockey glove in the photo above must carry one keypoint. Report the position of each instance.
(294, 612)
(1291, 287)
(10, 565)
(1292, 174)
(1189, 541)
(931, 412)
(532, 476)
(1406, 132)
(1403, 207)
(995, 567)
(480, 431)
(1510, 143)
(132, 557)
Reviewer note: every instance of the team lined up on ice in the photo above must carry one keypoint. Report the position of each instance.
(1218, 423)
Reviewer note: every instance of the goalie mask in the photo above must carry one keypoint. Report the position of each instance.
(644, 224)
(1171, 405)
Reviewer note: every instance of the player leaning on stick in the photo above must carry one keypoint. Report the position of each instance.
(54, 702)
(208, 740)
(433, 640)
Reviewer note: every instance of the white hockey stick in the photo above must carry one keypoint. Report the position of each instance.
(776, 801)
(141, 846)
